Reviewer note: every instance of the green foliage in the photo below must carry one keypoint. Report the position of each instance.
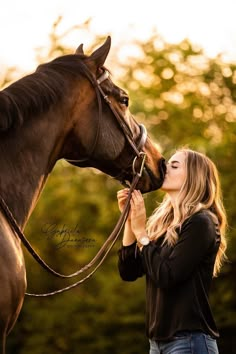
(184, 98)
(189, 99)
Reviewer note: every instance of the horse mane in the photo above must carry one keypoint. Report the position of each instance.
(36, 93)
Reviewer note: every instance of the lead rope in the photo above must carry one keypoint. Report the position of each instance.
(111, 239)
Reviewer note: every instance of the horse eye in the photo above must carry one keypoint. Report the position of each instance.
(124, 100)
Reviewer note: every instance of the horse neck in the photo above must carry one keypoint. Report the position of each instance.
(28, 156)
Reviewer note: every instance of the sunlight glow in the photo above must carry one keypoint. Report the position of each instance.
(25, 25)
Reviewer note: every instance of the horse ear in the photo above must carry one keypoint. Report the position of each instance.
(99, 55)
(80, 50)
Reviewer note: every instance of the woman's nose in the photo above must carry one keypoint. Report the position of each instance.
(167, 167)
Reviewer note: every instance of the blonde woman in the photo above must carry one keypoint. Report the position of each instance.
(179, 250)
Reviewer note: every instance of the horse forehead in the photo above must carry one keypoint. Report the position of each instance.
(112, 89)
(118, 90)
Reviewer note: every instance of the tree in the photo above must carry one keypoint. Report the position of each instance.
(188, 99)
(183, 97)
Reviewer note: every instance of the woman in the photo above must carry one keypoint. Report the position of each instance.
(179, 251)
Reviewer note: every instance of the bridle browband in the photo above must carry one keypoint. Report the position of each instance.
(111, 240)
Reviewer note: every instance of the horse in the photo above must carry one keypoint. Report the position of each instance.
(69, 108)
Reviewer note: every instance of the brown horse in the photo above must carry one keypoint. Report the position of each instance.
(58, 112)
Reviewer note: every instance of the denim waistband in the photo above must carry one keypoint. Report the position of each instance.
(187, 333)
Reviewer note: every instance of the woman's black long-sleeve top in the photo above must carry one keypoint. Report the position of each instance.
(177, 278)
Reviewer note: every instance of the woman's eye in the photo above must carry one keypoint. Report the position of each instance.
(125, 101)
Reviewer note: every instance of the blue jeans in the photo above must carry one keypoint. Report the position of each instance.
(185, 343)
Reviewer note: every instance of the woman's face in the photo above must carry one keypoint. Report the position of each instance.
(175, 173)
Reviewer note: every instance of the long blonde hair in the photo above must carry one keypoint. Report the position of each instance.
(201, 191)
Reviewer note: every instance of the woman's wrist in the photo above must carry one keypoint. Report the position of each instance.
(141, 233)
(129, 236)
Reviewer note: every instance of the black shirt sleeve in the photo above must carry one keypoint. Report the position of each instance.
(166, 269)
(130, 262)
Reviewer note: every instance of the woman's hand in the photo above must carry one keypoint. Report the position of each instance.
(138, 214)
(122, 197)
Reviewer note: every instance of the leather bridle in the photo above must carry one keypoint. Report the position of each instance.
(122, 123)
(136, 147)
(111, 240)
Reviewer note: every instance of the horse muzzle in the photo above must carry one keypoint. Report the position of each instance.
(149, 180)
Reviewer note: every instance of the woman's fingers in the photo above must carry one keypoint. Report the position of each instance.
(122, 197)
(122, 193)
(138, 213)
(137, 202)
(137, 198)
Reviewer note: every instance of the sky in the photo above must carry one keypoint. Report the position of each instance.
(25, 24)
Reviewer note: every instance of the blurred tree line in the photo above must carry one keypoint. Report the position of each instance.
(184, 98)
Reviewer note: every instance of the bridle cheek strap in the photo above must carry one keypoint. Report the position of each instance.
(123, 125)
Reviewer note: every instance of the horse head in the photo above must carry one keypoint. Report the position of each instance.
(102, 133)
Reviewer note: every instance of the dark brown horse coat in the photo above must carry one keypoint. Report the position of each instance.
(52, 114)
